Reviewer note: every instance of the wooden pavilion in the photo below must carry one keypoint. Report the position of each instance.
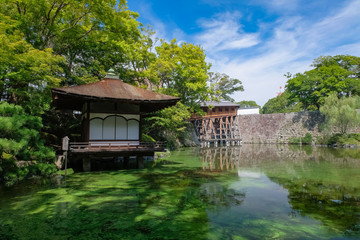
(112, 113)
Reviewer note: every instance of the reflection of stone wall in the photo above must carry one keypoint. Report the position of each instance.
(255, 155)
(280, 127)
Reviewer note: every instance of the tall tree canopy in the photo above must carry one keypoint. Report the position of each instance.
(26, 73)
(341, 113)
(338, 74)
(92, 35)
(248, 104)
(181, 70)
(222, 86)
(281, 104)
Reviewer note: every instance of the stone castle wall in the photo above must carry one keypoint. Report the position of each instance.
(280, 127)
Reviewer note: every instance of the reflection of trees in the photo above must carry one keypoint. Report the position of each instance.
(330, 200)
(323, 183)
(217, 196)
(322, 202)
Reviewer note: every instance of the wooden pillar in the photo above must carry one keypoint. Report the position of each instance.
(231, 128)
(126, 162)
(227, 127)
(140, 161)
(221, 123)
(209, 129)
(86, 164)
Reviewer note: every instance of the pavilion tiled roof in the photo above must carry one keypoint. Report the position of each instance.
(109, 90)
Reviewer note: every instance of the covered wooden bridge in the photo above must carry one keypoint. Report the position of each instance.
(219, 125)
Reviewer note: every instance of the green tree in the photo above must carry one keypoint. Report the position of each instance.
(92, 35)
(20, 141)
(341, 113)
(139, 59)
(180, 70)
(280, 104)
(168, 124)
(338, 74)
(248, 104)
(222, 86)
(26, 73)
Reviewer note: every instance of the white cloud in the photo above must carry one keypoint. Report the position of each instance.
(224, 32)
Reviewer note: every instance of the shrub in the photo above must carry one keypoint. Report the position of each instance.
(343, 139)
(307, 139)
(294, 140)
(301, 140)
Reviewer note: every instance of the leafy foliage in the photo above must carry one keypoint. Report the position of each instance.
(341, 113)
(20, 140)
(168, 124)
(307, 139)
(247, 104)
(343, 139)
(180, 70)
(280, 104)
(26, 74)
(339, 74)
(222, 86)
(92, 35)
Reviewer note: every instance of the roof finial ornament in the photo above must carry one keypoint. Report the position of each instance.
(111, 74)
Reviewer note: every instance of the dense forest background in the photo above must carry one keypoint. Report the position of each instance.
(52, 43)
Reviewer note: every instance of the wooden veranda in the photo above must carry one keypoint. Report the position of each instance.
(115, 147)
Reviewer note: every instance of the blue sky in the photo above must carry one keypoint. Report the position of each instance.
(257, 41)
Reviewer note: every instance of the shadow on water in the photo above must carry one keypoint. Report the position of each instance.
(166, 202)
(248, 192)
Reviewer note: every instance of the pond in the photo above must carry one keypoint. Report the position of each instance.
(247, 192)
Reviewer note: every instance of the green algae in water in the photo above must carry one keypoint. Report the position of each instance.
(265, 192)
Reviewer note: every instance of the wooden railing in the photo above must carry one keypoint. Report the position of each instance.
(115, 146)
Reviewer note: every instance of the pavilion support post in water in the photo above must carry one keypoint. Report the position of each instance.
(86, 164)
(140, 161)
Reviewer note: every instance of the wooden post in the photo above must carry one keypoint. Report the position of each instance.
(86, 164)
(140, 161)
(126, 162)
(65, 148)
(66, 160)
(220, 123)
